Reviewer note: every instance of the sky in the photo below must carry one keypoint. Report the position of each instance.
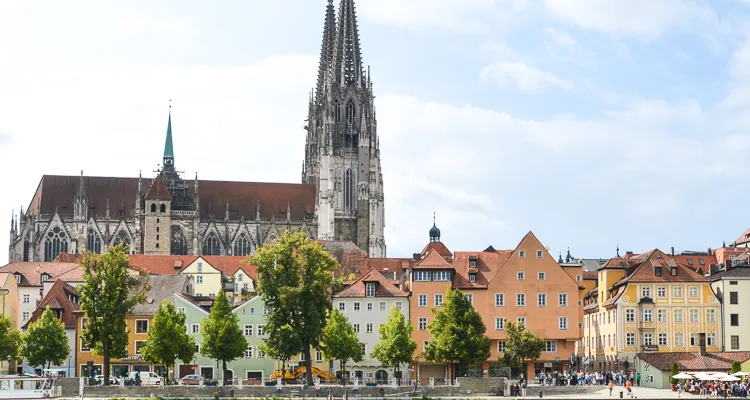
(594, 124)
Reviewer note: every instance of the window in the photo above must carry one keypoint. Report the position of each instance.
(541, 300)
(693, 292)
(93, 242)
(472, 263)
(472, 277)
(578, 278)
(694, 339)
(25, 316)
(661, 315)
(520, 275)
(550, 346)
(679, 315)
(661, 292)
(735, 342)
(500, 323)
(677, 291)
(141, 326)
(369, 306)
(179, 243)
(630, 339)
(733, 283)
(199, 279)
(350, 201)
(501, 346)
(646, 291)
(261, 330)
(521, 300)
(629, 315)
(422, 300)
(398, 305)
(422, 324)
(200, 267)
(562, 323)
(520, 321)
(562, 299)
(248, 330)
(648, 339)
(711, 339)
(369, 327)
(356, 306)
(55, 243)
(318, 356)
(522, 254)
(84, 347)
(196, 328)
(249, 352)
(26, 298)
(646, 315)
(181, 310)
(370, 289)
(662, 339)
(438, 300)
(657, 271)
(265, 311)
(422, 276)
(138, 345)
(733, 299)
(701, 262)
(541, 276)
(499, 300)
(442, 276)
(679, 339)
(690, 261)
(356, 328)
(734, 319)
(211, 245)
(695, 316)
(711, 315)
(539, 254)
(673, 271)
(342, 306)
(470, 297)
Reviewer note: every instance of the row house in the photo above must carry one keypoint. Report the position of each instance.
(732, 288)
(9, 305)
(647, 303)
(524, 285)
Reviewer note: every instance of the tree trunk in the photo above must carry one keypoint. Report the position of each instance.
(308, 363)
(224, 372)
(283, 370)
(343, 371)
(105, 366)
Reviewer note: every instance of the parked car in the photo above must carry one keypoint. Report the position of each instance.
(146, 378)
(99, 380)
(192, 380)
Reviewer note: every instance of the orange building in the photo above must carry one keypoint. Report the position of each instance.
(524, 285)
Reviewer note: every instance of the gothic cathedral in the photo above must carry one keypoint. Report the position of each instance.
(340, 197)
(342, 152)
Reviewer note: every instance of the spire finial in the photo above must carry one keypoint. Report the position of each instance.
(168, 148)
(12, 219)
(434, 216)
(618, 250)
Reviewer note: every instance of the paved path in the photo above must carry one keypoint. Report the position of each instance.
(638, 392)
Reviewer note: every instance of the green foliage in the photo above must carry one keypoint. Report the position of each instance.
(108, 295)
(295, 277)
(675, 371)
(340, 341)
(396, 345)
(522, 345)
(10, 339)
(45, 343)
(222, 337)
(736, 367)
(458, 333)
(167, 338)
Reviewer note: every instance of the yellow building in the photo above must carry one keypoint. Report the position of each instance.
(206, 278)
(643, 304)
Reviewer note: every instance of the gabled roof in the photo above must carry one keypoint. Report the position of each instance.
(384, 286)
(643, 270)
(160, 264)
(741, 272)
(438, 247)
(696, 261)
(162, 288)
(32, 271)
(433, 260)
(158, 190)
(390, 265)
(487, 265)
(58, 299)
(352, 260)
(743, 238)
(228, 265)
(720, 361)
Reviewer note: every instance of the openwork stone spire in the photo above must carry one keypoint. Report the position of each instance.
(326, 49)
(348, 57)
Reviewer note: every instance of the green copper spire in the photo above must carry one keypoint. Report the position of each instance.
(168, 149)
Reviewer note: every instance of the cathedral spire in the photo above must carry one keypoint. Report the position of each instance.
(347, 60)
(327, 48)
(168, 149)
(81, 187)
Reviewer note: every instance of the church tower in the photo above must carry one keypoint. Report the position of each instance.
(342, 154)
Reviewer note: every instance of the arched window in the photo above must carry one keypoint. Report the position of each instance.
(122, 237)
(242, 245)
(26, 250)
(178, 243)
(272, 238)
(163, 208)
(93, 242)
(349, 190)
(211, 245)
(351, 112)
(336, 111)
(153, 207)
(55, 243)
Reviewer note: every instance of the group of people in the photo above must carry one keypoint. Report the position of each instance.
(715, 389)
(587, 378)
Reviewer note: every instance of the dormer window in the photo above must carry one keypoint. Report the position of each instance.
(45, 277)
(19, 278)
(657, 271)
(701, 262)
(674, 271)
(690, 261)
(472, 277)
(370, 289)
(472, 263)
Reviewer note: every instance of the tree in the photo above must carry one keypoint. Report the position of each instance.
(736, 367)
(457, 333)
(108, 295)
(521, 345)
(223, 340)
(167, 338)
(295, 276)
(396, 345)
(340, 341)
(45, 343)
(675, 371)
(10, 340)
(283, 347)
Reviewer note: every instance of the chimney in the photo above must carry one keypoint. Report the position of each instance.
(728, 264)
(671, 251)
(628, 254)
(702, 343)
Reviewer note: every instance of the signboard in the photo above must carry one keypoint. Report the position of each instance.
(650, 347)
(548, 365)
(132, 358)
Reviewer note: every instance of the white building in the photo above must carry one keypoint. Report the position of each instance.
(732, 288)
(367, 303)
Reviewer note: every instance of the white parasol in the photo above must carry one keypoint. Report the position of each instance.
(740, 373)
(719, 374)
(729, 378)
(682, 375)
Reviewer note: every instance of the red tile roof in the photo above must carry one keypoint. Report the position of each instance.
(229, 265)
(32, 271)
(352, 260)
(590, 275)
(439, 247)
(433, 260)
(58, 299)
(160, 265)
(744, 238)
(390, 265)
(721, 361)
(384, 288)
(158, 190)
(644, 270)
(487, 265)
(693, 261)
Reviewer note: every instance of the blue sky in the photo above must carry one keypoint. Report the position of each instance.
(592, 123)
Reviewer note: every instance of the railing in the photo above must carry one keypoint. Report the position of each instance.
(183, 213)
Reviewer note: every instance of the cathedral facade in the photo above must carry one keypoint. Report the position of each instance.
(341, 196)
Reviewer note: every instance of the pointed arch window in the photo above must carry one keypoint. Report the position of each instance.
(272, 238)
(178, 242)
(162, 208)
(153, 207)
(211, 245)
(26, 250)
(93, 242)
(55, 243)
(123, 238)
(336, 111)
(349, 191)
(242, 245)
(351, 112)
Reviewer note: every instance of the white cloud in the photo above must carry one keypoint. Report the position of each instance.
(147, 24)
(527, 78)
(641, 18)
(561, 38)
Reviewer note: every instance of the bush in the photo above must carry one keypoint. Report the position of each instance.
(674, 372)
(736, 367)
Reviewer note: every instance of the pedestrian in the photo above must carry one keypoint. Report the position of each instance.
(679, 390)
(638, 379)
(610, 388)
(627, 386)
